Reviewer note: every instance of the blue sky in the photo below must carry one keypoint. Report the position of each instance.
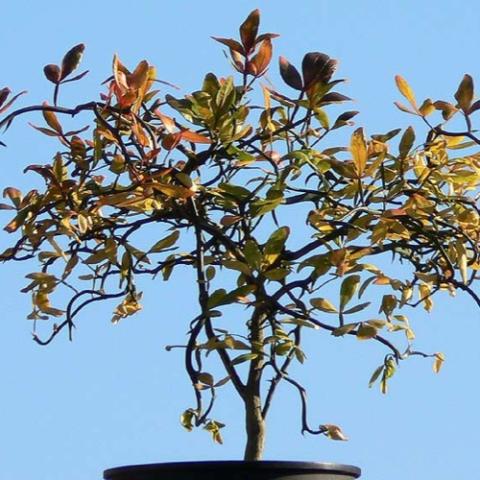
(114, 395)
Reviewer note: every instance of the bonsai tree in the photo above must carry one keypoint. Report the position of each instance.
(210, 181)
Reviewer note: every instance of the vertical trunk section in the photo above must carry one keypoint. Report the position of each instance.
(254, 421)
(255, 426)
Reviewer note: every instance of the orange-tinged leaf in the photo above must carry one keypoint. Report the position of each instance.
(334, 432)
(194, 137)
(139, 76)
(358, 149)
(171, 140)
(120, 74)
(51, 119)
(438, 362)
(168, 122)
(427, 107)
(17, 222)
(249, 30)
(262, 59)
(406, 90)
(14, 194)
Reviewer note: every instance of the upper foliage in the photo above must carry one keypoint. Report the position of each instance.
(218, 175)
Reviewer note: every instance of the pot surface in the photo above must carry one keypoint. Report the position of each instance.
(234, 470)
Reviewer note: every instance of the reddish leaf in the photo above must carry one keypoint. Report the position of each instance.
(10, 102)
(231, 43)
(4, 93)
(45, 131)
(290, 74)
(264, 36)
(317, 66)
(249, 30)
(76, 77)
(334, 97)
(194, 137)
(71, 60)
(140, 75)
(52, 72)
(171, 140)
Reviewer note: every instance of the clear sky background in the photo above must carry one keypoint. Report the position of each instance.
(114, 395)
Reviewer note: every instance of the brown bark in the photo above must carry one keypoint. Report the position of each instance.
(254, 421)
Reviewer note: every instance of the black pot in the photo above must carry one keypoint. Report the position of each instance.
(234, 470)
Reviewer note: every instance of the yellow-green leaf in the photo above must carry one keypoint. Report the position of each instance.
(344, 329)
(274, 246)
(378, 371)
(464, 94)
(347, 290)
(206, 378)
(324, 305)
(166, 242)
(365, 331)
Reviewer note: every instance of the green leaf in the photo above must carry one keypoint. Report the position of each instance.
(217, 298)
(357, 308)
(276, 274)
(275, 244)
(166, 242)
(206, 378)
(348, 289)
(322, 117)
(186, 419)
(235, 191)
(261, 207)
(237, 265)
(378, 371)
(253, 255)
(406, 142)
(96, 257)
(344, 329)
(244, 357)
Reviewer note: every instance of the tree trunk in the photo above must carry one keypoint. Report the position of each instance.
(255, 426)
(254, 421)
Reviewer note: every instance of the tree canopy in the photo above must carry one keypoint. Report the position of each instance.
(217, 181)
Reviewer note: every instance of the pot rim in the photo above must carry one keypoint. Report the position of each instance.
(327, 467)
